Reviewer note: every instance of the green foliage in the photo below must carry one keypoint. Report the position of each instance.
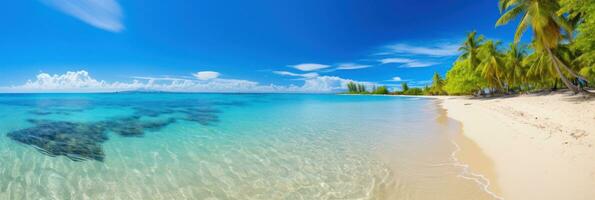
(491, 66)
(470, 48)
(582, 14)
(462, 79)
(380, 90)
(404, 86)
(563, 43)
(515, 69)
(553, 58)
(427, 90)
(552, 23)
(353, 88)
(437, 87)
(361, 88)
(414, 91)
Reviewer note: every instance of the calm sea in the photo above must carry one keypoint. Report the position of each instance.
(227, 146)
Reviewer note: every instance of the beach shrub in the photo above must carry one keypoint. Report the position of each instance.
(414, 91)
(380, 90)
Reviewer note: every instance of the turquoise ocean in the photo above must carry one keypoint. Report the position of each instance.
(228, 146)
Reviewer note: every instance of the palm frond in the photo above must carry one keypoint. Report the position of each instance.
(521, 28)
(509, 15)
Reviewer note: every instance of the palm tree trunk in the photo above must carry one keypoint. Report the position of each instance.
(570, 70)
(500, 83)
(581, 90)
(562, 77)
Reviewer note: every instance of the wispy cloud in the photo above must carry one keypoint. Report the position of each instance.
(351, 66)
(407, 62)
(412, 55)
(310, 66)
(306, 75)
(161, 78)
(420, 64)
(103, 14)
(395, 60)
(442, 50)
(82, 81)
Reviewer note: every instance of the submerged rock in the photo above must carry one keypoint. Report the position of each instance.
(83, 141)
(203, 116)
(76, 141)
(134, 127)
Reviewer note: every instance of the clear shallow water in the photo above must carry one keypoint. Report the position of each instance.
(227, 146)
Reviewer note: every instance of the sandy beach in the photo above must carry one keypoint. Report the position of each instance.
(532, 146)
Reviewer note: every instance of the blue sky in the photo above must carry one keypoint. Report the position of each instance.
(233, 45)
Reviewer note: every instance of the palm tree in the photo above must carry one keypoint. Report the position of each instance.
(513, 62)
(540, 69)
(491, 66)
(437, 85)
(404, 86)
(470, 47)
(549, 29)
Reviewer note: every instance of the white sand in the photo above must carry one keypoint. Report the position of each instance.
(540, 146)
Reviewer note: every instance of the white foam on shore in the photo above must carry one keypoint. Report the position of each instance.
(466, 173)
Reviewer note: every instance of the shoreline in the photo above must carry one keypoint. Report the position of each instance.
(474, 164)
(539, 146)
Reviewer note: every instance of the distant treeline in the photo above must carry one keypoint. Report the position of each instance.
(435, 89)
(561, 53)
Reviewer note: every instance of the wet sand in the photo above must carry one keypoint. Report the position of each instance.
(434, 167)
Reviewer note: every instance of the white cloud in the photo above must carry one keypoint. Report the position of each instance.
(351, 66)
(329, 83)
(443, 50)
(81, 81)
(407, 62)
(70, 80)
(306, 75)
(103, 14)
(313, 82)
(310, 66)
(397, 79)
(206, 75)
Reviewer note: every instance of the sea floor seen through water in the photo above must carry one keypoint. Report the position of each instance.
(228, 146)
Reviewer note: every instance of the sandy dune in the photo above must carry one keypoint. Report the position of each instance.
(540, 146)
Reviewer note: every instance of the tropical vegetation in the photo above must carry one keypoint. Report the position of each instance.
(560, 53)
(354, 88)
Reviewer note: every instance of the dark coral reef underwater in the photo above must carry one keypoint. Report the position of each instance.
(80, 141)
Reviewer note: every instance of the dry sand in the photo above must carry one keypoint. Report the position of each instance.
(535, 146)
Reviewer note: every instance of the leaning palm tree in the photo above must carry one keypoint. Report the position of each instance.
(491, 66)
(470, 47)
(549, 29)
